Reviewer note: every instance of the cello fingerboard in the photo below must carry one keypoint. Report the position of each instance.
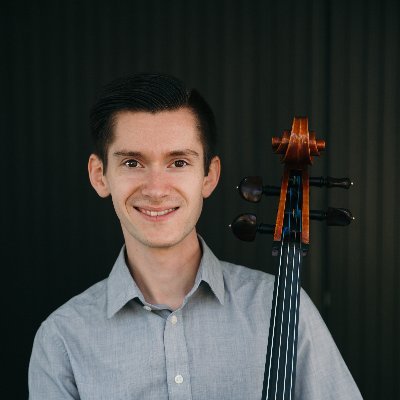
(280, 366)
(280, 363)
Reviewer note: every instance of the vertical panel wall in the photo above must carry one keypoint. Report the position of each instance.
(258, 63)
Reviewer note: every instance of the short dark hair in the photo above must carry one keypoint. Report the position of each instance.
(151, 93)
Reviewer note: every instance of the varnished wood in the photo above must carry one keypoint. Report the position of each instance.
(297, 149)
(291, 240)
(305, 212)
(281, 206)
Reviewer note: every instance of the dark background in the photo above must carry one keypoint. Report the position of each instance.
(258, 63)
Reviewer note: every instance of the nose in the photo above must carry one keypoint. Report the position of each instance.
(156, 185)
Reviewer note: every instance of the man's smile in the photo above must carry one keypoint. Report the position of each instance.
(156, 214)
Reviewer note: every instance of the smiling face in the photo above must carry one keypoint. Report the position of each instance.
(155, 176)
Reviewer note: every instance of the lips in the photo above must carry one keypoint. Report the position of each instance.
(156, 213)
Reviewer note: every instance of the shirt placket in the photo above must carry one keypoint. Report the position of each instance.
(176, 356)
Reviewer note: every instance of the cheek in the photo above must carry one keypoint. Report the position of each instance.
(194, 185)
(198, 195)
(121, 190)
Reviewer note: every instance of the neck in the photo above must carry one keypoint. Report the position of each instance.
(165, 275)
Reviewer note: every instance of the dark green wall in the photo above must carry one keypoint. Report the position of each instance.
(258, 63)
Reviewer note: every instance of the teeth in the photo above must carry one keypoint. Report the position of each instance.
(156, 213)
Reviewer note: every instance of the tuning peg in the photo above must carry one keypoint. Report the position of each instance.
(333, 216)
(329, 182)
(245, 227)
(252, 189)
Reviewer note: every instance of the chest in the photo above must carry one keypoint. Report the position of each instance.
(214, 352)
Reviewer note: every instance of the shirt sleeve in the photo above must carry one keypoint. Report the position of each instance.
(321, 371)
(50, 372)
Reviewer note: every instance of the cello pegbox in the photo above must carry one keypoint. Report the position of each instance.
(297, 149)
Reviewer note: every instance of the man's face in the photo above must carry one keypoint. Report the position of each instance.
(155, 175)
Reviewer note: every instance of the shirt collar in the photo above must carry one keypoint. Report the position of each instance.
(210, 271)
(121, 288)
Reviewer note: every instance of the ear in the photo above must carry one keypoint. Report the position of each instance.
(211, 180)
(97, 177)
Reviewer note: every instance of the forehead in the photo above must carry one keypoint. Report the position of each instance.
(156, 131)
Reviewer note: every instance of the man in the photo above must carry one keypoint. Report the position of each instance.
(171, 321)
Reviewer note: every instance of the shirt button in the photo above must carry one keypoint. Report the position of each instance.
(174, 320)
(179, 379)
(147, 308)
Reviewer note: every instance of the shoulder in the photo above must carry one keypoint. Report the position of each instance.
(240, 274)
(247, 284)
(241, 279)
(86, 306)
(54, 334)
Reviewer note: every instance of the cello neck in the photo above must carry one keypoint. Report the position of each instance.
(280, 366)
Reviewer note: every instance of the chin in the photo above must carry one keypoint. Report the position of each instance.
(156, 241)
(159, 244)
(163, 242)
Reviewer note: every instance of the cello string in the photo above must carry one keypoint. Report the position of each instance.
(293, 282)
(297, 283)
(289, 251)
(295, 320)
(273, 326)
(290, 305)
(288, 324)
(284, 302)
(283, 312)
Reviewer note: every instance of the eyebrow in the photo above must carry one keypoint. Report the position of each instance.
(174, 153)
(126, 153)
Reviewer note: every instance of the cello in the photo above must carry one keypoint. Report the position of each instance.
(290, 245)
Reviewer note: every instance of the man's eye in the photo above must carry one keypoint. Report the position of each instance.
(179, 163)
(131, 163)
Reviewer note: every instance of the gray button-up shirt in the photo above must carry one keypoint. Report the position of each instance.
(108, 343)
